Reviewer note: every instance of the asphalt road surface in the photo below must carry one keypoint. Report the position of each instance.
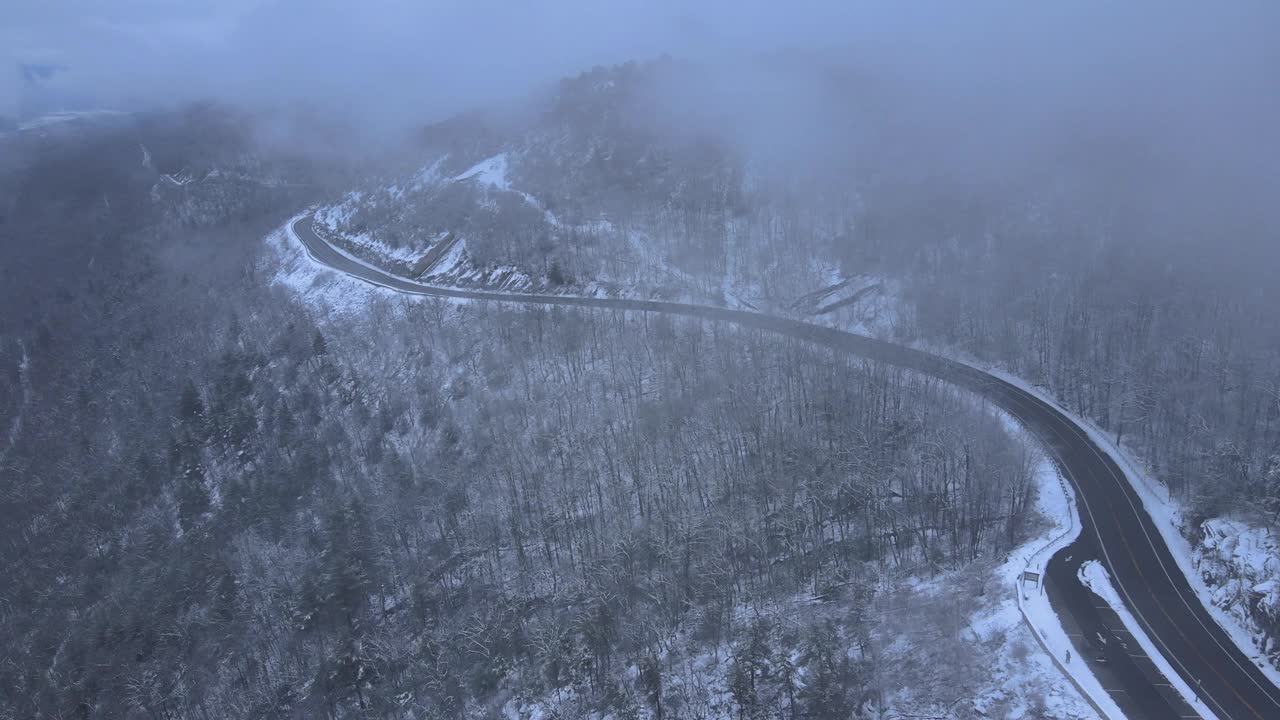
(1116, 529)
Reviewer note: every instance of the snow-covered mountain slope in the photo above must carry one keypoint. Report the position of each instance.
(593, 188)
(1240, 563)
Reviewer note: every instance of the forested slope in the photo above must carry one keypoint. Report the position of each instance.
(221, 502)
(224, 499)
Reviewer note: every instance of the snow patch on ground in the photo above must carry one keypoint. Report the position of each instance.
(326, 289)
(452, 260)
(370, 244)
(334, 219)
(427, 176)
(330, 292)
(731, 299)
(863, 304)
(547, 216)
(1240, 565)
(179, 179)
(654, 270)
(491, 172)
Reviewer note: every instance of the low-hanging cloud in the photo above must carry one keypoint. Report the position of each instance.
(968, 85)
(391, 55)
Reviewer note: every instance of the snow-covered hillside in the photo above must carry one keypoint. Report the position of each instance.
(587, 193)
(1240, 564)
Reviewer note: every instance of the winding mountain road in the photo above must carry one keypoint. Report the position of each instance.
(1116, 528)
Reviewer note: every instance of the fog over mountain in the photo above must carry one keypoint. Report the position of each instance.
(974, 88)
(396, 61)
(723, 360)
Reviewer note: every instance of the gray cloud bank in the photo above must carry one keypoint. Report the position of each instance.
(399, 58)
(970, 86)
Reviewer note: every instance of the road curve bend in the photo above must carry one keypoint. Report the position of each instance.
(1116, 528)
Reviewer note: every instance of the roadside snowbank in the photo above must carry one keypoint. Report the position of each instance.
(863, 304)
(336, 220)
(1227, 604)
(1096, 578)
(327, 290)
(1240, 565)
(1026, 615)
(1054, 501)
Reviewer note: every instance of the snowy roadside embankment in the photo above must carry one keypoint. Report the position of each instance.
(293, 267)
(1240, 566)
(335, 220)
(1030, 607)
(1235, 569)
(1097, 579)
(863, 304)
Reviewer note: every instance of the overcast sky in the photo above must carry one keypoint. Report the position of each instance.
(385, 56)
(402, 61)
